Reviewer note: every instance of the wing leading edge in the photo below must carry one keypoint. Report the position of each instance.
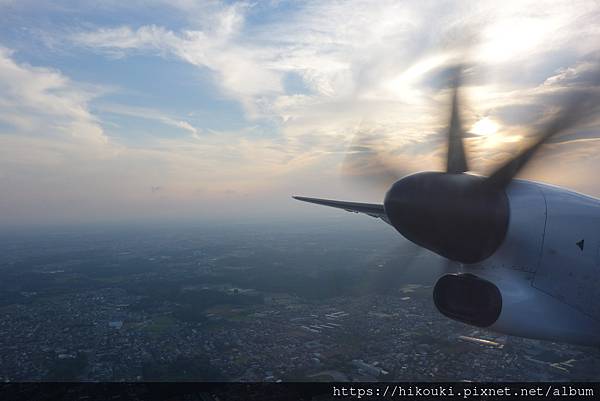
(371, 209)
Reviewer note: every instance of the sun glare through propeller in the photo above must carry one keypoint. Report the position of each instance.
(580, 106)
(460, 216)
(449, 213)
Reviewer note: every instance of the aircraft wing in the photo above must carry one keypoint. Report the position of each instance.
(371, 209)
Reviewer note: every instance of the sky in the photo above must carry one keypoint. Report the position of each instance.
(150, 110)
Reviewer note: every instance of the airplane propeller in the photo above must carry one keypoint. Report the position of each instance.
(576, 110)
(462, 217)
(456, 160)
(366, 163)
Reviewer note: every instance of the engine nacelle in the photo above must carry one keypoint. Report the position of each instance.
(505, 301)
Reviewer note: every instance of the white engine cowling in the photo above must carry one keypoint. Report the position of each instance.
(539, 283)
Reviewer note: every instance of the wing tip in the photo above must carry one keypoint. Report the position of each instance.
(300, 198)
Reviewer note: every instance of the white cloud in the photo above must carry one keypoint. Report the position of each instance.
(359, 50)
(239, 70)
(361, 66)
(124, 38)
(368, 62)
(150, 114)
(44, 103)
(57, 163)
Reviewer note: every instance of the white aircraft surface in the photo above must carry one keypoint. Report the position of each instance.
(529, 252)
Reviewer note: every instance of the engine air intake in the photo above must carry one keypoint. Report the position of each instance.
(468, 299)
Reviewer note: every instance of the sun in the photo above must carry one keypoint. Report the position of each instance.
(485, 127)
(487, 130)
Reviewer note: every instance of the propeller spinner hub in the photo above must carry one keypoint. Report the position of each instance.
(453, 215)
